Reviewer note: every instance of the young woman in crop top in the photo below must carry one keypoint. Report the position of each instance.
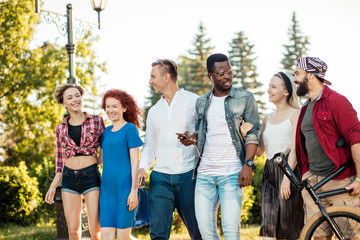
(281, 205)
(77, 141)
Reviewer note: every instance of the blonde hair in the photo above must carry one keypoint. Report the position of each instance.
(59, 92)
(292, 100)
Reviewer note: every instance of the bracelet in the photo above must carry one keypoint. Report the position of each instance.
(357, 179)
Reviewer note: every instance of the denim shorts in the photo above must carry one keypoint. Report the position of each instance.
(81, 181)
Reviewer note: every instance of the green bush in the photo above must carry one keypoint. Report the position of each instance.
(254, 214)
(45, 173)
(19, 196)
(247, 204)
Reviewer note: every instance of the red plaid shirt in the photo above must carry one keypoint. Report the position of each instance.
(91, 131)
(333, 118)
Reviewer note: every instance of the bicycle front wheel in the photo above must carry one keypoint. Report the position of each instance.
(347, 219)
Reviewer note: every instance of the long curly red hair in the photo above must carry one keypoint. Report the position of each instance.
(132, 113)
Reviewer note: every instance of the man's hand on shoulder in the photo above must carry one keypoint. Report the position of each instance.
(188, 139)
(245, 176)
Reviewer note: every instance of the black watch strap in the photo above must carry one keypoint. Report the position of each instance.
(250, 163)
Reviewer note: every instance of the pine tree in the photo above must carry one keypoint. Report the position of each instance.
(192, 67)
(296, 48)
(241, 57)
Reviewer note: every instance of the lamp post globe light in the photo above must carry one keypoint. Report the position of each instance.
(67, 29)
(98, 5)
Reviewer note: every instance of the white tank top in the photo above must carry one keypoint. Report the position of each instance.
(277, 137)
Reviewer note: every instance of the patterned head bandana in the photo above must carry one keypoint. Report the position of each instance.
(315, 66)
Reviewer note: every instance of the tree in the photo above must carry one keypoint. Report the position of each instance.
(29, 113)
(296, 48)
(241, 57)
(28, 78)
(17, 22)
(192, 68)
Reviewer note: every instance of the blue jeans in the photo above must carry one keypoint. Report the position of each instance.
(209, 192)
(167, 192)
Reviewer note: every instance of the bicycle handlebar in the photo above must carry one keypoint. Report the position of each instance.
(299, 185)
(281, 162)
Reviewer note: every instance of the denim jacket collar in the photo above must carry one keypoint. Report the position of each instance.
(210, 94)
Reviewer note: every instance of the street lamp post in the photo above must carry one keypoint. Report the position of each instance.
(70, 46)
(67, 29)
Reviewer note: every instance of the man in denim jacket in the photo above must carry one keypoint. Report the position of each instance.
(225, 163)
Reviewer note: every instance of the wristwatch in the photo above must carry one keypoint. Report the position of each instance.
(250, 163)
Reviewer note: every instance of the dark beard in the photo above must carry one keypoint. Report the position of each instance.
(303, 88)
(221, 89)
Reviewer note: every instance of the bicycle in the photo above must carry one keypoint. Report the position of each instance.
(343, 221)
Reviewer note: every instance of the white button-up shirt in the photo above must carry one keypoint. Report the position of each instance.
(162, 124)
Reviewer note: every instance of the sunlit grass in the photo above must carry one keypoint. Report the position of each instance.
(42, 232)
(47, 231)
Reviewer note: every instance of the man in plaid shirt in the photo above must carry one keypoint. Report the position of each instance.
(325, 118)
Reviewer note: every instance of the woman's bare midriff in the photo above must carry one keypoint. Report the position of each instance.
(80, 162)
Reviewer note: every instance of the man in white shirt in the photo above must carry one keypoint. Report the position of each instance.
(171, 183)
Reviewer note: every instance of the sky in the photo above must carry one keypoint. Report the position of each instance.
(135, 33)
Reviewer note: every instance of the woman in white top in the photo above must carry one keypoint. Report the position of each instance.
(281, 205)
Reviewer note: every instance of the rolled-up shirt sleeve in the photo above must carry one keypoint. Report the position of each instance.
(251, 115)
(60, 152)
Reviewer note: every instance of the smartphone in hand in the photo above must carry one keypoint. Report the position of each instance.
(182, 135)
(142, 181)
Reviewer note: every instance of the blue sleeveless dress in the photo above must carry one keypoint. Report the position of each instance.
(116, 176)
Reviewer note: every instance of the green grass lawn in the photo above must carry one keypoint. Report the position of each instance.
(48, 232)
(42, 232)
